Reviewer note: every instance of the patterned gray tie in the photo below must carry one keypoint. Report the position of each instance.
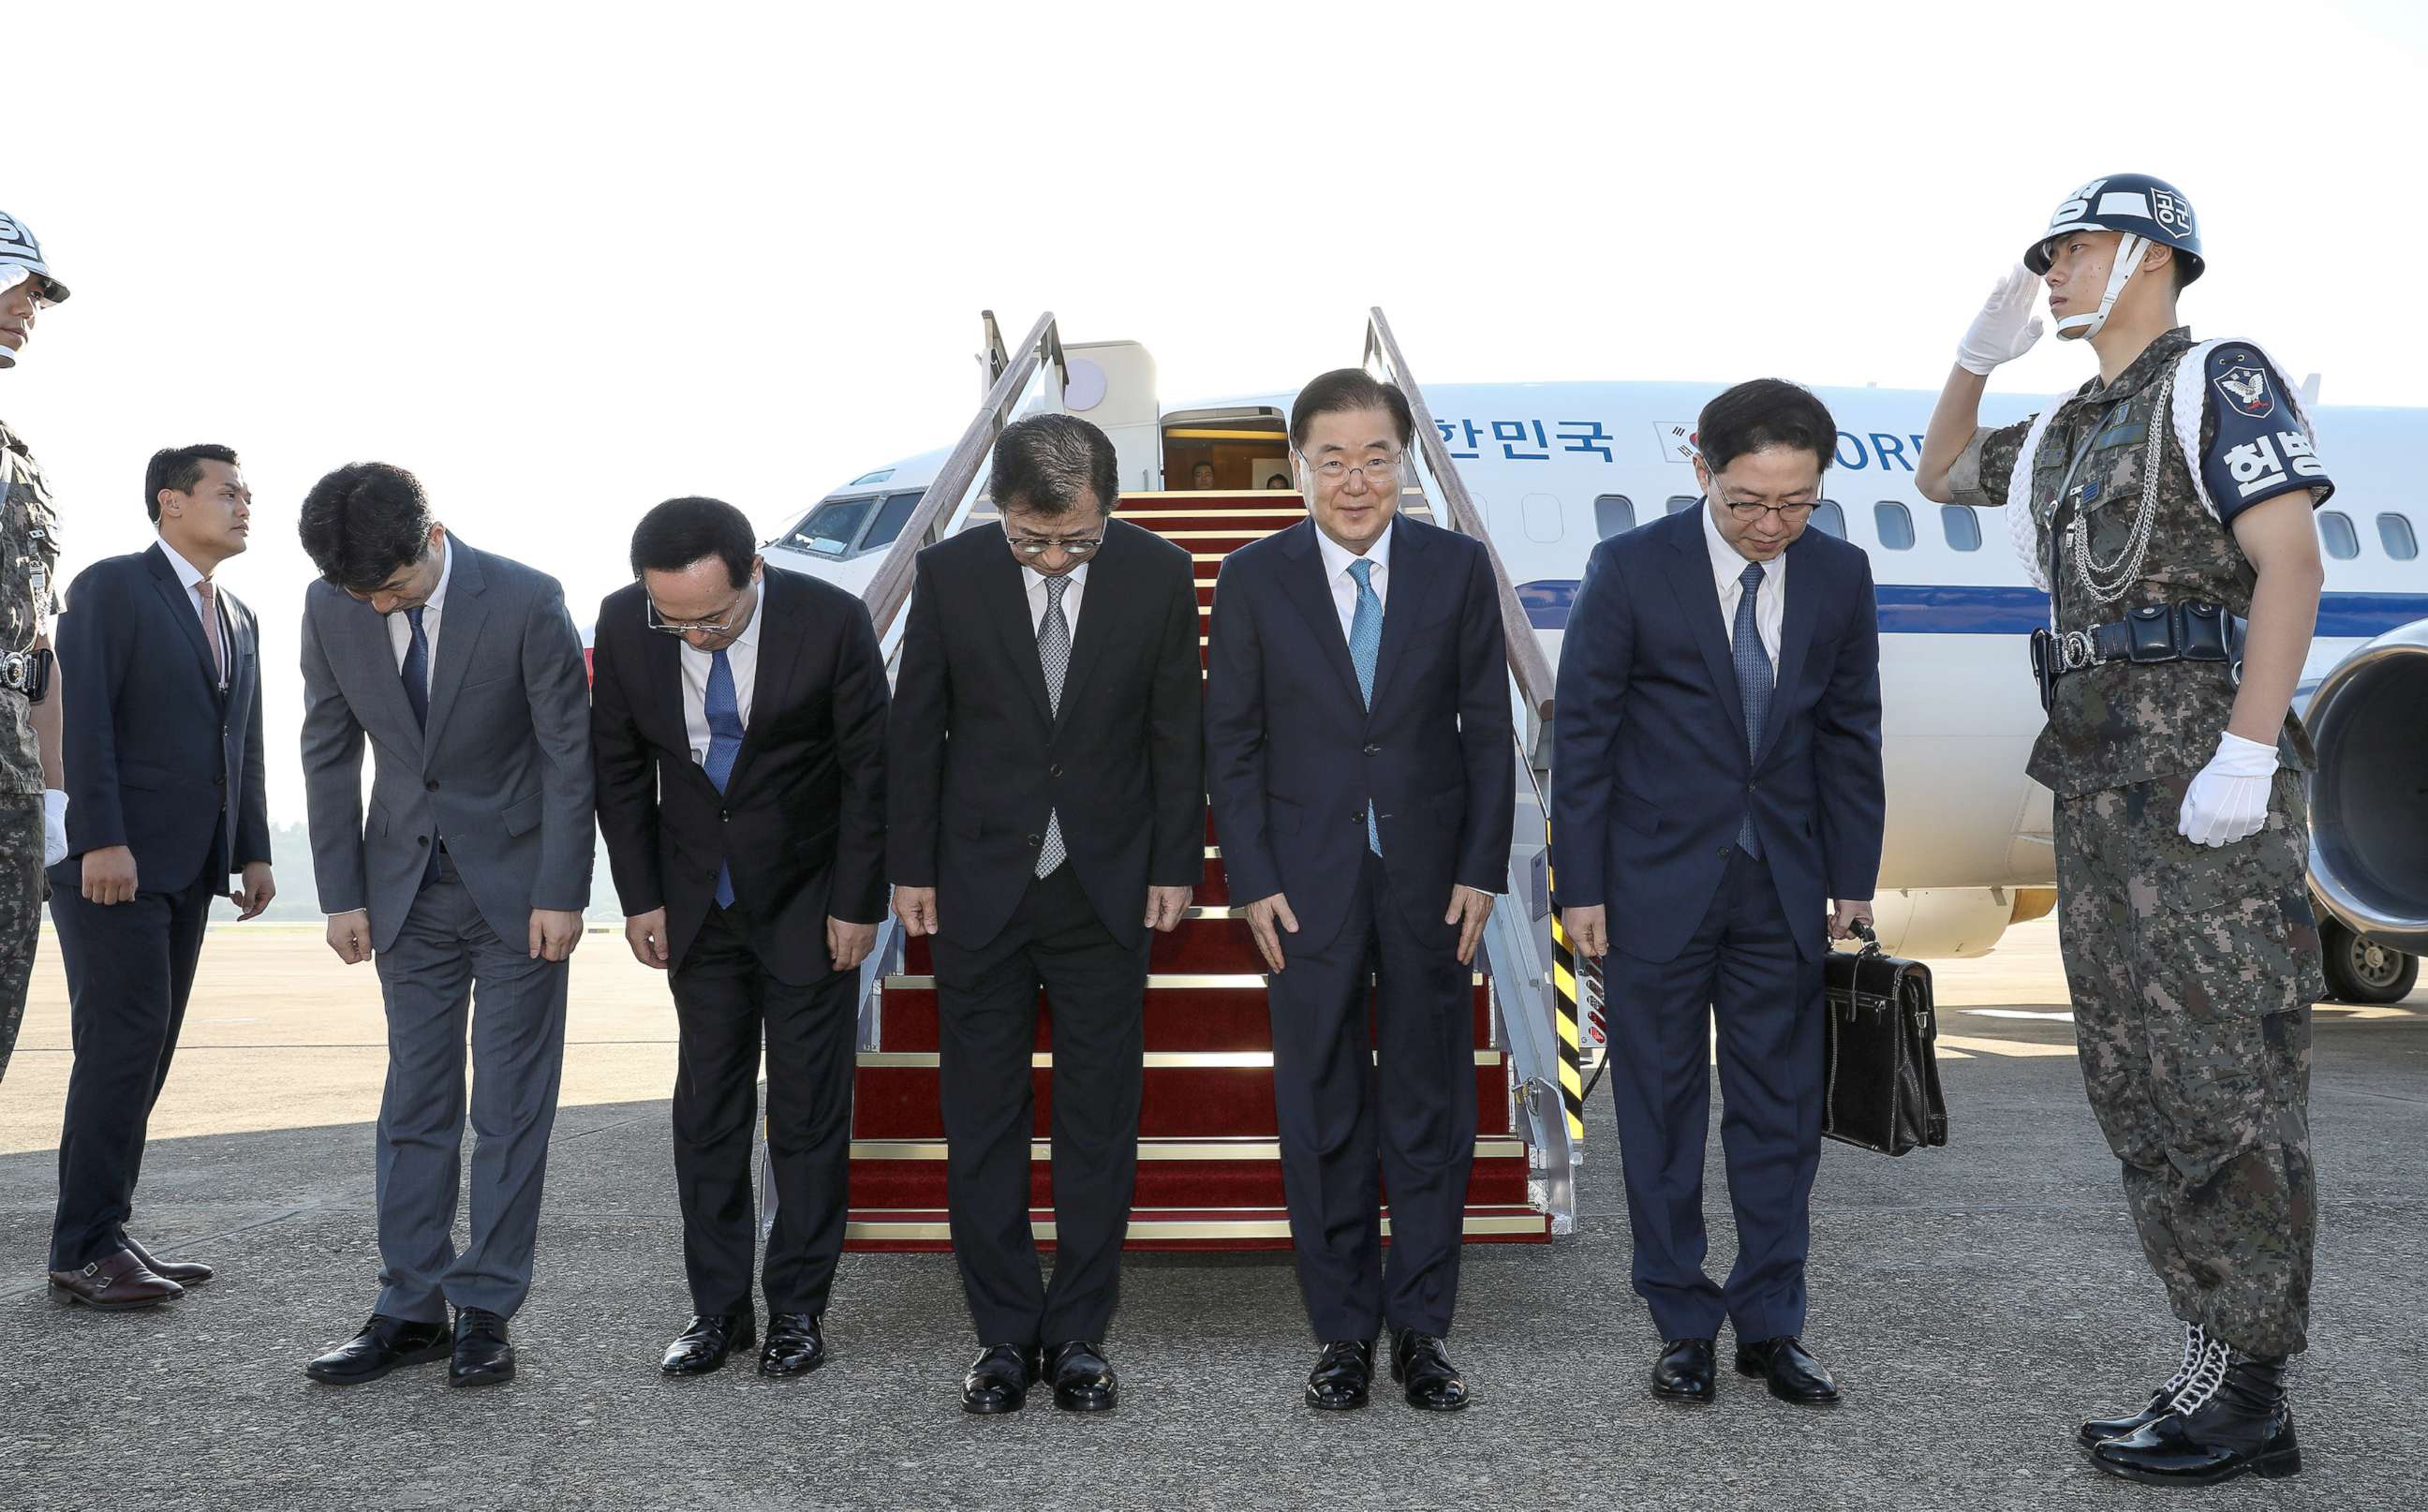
(1054, 655)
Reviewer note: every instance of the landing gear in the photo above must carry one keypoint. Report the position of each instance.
(2362, 971)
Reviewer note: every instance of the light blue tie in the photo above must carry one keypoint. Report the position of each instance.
(1365, 644)
(724, 743)
(1753, 685)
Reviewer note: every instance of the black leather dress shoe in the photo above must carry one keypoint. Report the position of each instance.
(384, 1344)
(1426, 1376)
(1684, 1372)
(117, 1282)
(796, 1345)
(483, 1356)
(1794, 1375)
(1342, 1375)
(705, 1344)
(1082, 1381)
(1000, 1380)
(184, 1272)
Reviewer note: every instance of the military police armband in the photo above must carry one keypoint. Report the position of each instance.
(2260, 443)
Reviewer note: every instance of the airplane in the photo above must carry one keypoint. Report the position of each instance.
(1556, 466)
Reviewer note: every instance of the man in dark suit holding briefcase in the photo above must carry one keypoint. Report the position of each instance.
(1715, 782)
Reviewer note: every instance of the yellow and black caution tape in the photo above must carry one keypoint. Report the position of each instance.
(1564, 986)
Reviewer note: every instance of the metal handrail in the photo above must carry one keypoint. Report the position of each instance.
(890, 589)
(1528, 666)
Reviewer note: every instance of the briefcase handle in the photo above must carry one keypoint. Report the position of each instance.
(1862, 930)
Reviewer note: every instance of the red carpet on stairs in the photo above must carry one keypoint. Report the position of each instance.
(1209, 1172)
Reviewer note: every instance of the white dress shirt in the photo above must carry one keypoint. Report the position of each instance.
(742, 657)
(189, 574)
(399, 630)
(1769, 607)
(1337, 559)
(1071, 596)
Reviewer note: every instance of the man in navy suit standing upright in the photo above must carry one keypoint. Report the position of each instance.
(163, 758)
(1360, 764)
(1715, 782)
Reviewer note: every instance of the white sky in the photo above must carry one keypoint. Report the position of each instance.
(567, 261)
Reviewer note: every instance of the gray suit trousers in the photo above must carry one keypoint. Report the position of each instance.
(446, 967)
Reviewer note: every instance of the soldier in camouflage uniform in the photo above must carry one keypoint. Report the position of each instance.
(2158, 500)
(33, 810)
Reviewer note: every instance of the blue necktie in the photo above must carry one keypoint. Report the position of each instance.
(417, 669)
(1753, 684)
(724, 743)
(1364, 643)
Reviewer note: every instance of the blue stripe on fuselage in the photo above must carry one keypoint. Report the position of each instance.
(1973, 609)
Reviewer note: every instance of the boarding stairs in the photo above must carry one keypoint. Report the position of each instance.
(1209, 1170)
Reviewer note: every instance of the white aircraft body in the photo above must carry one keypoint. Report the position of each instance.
(1556, 466)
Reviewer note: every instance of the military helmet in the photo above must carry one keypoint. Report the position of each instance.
(18, 249)
(2134, 203)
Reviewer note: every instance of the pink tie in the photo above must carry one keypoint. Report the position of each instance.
(212, 627)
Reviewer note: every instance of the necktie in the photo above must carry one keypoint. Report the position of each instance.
(1754, 684)
(1365, 644)
(723, 710)
(211, 630)
(1054, 655)
(416, 669)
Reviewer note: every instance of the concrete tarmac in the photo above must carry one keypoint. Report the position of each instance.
(1974, 1301)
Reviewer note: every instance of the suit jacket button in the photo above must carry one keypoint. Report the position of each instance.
(220, 781)
(725, 816)
(422, 840)
(1358, 817)
(431, 786)
(1724, 852)
(1035, 841)
(1373, 750)
(1054, 771)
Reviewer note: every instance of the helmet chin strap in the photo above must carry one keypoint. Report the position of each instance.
(2129, 262)
(10, 278)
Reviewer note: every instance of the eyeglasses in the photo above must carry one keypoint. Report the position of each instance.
(1035, 546)
(684, 627)
(1788, 513)
(1378, 472)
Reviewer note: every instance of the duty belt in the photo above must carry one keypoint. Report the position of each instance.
(2152, 634)
(26, 672)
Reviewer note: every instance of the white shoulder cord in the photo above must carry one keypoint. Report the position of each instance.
(2021, 528)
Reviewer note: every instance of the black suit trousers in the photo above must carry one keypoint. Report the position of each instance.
(1398, 1104)
(988, 1030)
(726, 1001)
(1740, 966)
(130, 969)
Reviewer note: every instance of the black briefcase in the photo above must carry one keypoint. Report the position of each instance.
(1879, 1050)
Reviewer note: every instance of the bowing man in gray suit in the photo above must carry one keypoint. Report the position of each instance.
(468, 882)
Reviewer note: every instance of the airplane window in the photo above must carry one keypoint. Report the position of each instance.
(1895, 523)
(889, 520)
(1680, 503)
(1829, 520)
(1962, 526)
(830, 527)
(1612, 513)
(2336, 535)
(2394, 534)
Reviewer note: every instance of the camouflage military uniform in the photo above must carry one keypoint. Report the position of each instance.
(2192, 968)
(29, 561)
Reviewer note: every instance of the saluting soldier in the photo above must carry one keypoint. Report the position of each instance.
(2165, 506)
(33, 807)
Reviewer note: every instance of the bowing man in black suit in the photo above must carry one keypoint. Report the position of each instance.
(163, 760)
(738, 739)
(1359, 759)
(1048, 808)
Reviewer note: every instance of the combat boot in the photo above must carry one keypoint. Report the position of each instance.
(2230, 1419)
(2099, 1430)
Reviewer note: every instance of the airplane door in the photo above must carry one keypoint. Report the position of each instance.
(1541, 515)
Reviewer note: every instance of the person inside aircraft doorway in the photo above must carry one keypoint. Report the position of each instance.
(2165, 506)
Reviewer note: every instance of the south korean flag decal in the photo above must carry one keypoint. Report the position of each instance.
(2243, 384)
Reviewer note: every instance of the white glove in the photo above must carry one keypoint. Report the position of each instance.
(2007, 326)
(2228, 801)
(54, 826)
